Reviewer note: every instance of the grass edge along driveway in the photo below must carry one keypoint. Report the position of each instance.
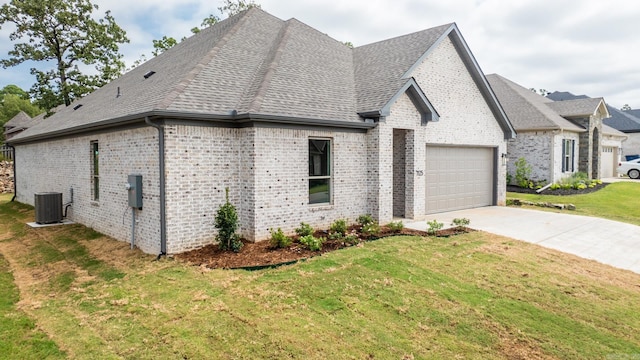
(617, 201)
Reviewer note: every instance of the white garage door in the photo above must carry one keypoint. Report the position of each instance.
(606, 162)
(458, 178)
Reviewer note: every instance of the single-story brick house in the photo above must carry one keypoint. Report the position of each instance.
(626, 122)
(557, 138)
(297, 125)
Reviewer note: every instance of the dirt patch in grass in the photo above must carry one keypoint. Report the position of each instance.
(261, 254)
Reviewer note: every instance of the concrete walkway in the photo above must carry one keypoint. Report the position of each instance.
(609, 242)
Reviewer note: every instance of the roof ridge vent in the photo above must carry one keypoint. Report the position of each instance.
(149, 74)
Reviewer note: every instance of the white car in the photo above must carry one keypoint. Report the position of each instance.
(631, 168)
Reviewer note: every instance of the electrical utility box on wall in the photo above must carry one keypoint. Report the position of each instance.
(134, 187)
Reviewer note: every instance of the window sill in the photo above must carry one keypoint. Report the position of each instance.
(320, 207)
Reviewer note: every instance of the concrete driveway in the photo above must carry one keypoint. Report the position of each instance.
(609, 242)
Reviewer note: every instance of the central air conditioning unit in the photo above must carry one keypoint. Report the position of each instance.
(48, 207)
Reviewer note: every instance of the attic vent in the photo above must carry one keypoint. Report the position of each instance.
(149, 74)
(77, 107)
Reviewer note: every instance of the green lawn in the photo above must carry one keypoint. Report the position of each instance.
(472, 296)
(617, 201)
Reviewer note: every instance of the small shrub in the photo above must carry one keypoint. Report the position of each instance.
(523, 172)
(555, 186)
(395, 226)
(312, 243)
(371, 229)
(364, 220)
(304, 229)
(434, 226)
(279, 239)
(460, 222)
(509, 179)
(339, 226)
(351, 239)
(226, 221)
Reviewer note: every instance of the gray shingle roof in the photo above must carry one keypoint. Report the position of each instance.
(608, 130)
(634, 112)
(624, 121)
(19, 120)
(379, 67)
(527, 110)
(254, 63)
(576, 107)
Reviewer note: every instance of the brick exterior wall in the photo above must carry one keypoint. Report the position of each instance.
(465, 117)
(59, 165)
(543, 151)
(536, 148)
(558, 138)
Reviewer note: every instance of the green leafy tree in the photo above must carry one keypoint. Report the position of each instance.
(163, 44)
(14, 90)
(13, 100)
(231, 7)
(65, 35)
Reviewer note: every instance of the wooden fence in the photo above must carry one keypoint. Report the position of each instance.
(6, 152)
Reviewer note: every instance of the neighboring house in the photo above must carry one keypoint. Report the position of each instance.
(613, 142)
(16, 125)
(623, 121)
(298, 126)
(557, 138)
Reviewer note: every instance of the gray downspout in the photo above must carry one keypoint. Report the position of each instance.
(15, 186)
(161, 175)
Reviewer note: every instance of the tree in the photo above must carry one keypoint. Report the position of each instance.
(231, 7)
(163, 44)
(14, 90)
(63, 33)
(542, 92)
(625, 107)
(13, 100)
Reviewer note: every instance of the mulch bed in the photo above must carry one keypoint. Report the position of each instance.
(260, 255)
(560, 192)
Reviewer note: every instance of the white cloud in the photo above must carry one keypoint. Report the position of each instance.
(587, 47)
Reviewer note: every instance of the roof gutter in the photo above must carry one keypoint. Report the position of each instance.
(162, 180)
(15, 181)
(232, 120)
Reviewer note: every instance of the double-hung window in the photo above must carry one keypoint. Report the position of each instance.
(95, 172)
(319, 171)
(568, 148)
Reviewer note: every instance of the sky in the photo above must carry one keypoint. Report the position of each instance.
(587, 47)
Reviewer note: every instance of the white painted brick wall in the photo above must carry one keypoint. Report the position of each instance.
(465, 117)
(59, 165)
(557, 158)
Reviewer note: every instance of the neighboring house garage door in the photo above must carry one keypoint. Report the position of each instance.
(606, 162)
(458, 178)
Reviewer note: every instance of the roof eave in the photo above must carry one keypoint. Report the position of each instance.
(427, 111)
(232, 120)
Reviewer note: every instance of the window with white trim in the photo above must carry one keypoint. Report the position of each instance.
(568, 149)
(319, 171)
(95, 172)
